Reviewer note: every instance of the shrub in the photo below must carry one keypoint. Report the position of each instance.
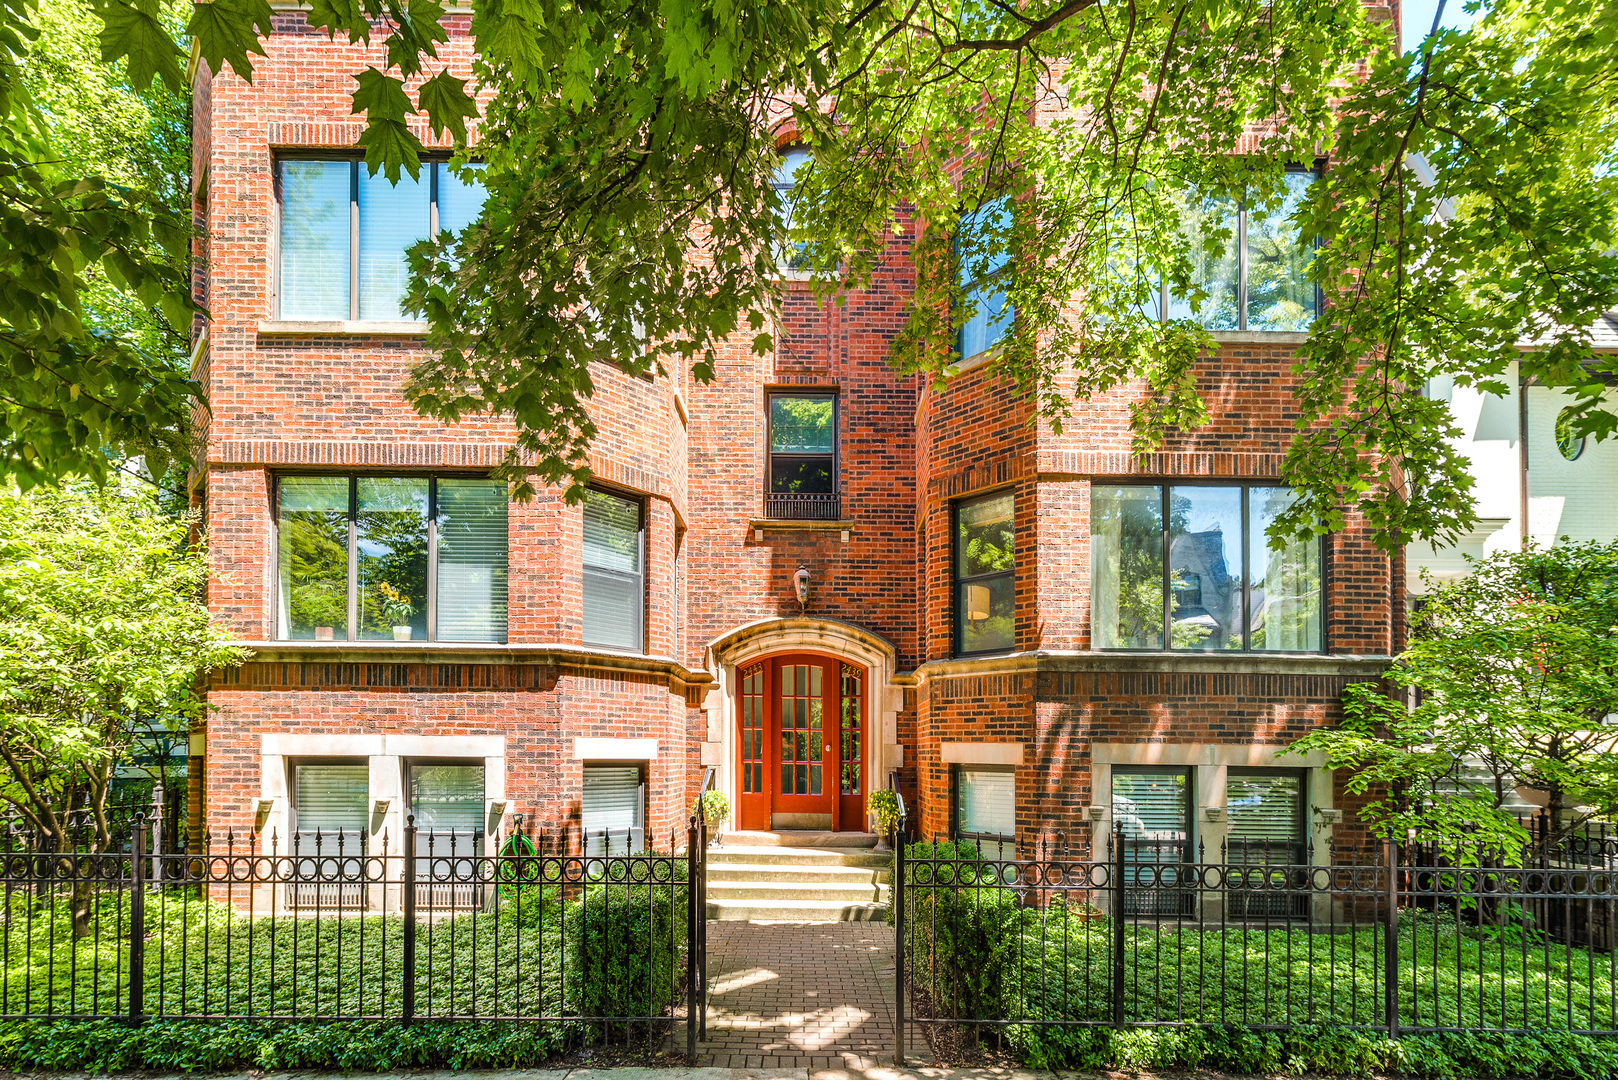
(620, 948)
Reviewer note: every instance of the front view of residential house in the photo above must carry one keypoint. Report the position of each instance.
(1036, 636)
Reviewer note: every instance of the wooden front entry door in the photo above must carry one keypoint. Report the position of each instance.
(801, 751)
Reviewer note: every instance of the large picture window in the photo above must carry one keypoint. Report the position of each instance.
(1190, 567)
(344, 234)
(803, 457)
(400, 558)
(1258, 277)
(985, 574)
(614, 572)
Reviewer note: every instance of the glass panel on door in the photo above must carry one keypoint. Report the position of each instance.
(802, 729)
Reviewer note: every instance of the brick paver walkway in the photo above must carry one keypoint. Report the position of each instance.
(794, 995)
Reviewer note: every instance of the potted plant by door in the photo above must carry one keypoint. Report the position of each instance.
(884, 807)
(715, 811)
(397, 611)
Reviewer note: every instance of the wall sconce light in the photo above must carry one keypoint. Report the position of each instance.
(1097, 811)
(800, 585)
(1213, 813)
(1328, 817)
(497, 813)
(261, 813)
(380, 807)
(977, 603)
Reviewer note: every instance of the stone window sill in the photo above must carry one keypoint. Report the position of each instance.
(1258, 337)
(339, 327)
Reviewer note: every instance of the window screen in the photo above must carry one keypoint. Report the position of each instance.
(330, 798)
(613, 805)
(1152, 805)
(447, 798)
(986, 802)
(1266, 813)
(614, 589)
(1151, 811)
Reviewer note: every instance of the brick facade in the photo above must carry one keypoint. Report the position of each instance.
(719, 576)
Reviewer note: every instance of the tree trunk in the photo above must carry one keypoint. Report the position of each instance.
(82, 904)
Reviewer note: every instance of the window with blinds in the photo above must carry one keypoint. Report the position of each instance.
(344, 234)
(447, 798)
(985, 802)
(471, 560)
(1151, 810)
(1266, 815)
(428, 556)
(329, 797)
(614, 575)
(614, 810)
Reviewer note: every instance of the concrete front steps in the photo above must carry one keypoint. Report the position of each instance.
(797, 877)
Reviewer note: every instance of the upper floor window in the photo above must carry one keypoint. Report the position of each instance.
(793, 256)
(344, 233)
(981, 278)
(1259, 280)
(614, 572)
(802, 457)
(391, 558)
(985, 565)
(1191, 565)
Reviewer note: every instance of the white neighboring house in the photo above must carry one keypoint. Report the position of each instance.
(1572, 484)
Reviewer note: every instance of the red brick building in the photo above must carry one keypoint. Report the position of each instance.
(1038, 634)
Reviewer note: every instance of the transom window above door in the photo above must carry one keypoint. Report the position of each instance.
(391, 558)
(802, 467)
(344, 233)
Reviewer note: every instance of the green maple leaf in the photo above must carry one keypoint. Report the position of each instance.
(134, 33)
(447, 104)
(389, 144)
(345, 15)
(390, 147)
(227, 30)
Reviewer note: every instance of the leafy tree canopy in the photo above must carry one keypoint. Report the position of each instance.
(102, 629)
(95, 307)
(1517, 671)
(630, 150)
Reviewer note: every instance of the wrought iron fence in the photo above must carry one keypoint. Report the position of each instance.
(1140, 933)
(332, 927)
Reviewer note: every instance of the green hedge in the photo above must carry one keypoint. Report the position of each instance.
(204, 1046)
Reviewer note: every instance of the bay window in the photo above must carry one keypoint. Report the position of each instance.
(1257, 278)
(1189, 567)
(391, 558)
(344, 233)
(614, 572)
(985, 559)
(980, 276)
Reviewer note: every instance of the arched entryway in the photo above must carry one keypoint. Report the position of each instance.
(802, 742)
